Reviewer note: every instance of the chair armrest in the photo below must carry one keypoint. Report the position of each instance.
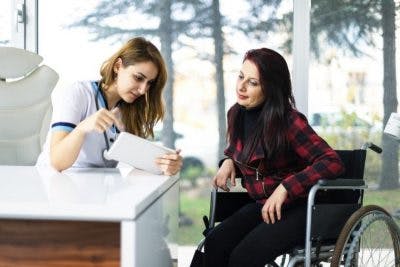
(341, 182)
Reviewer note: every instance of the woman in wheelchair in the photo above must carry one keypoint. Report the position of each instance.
(279, 157)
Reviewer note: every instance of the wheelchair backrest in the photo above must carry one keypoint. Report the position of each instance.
(332, 208)
(354, 162)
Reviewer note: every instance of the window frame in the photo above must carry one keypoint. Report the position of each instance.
(24, 24)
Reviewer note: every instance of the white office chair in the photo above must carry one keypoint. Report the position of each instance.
(25, 106)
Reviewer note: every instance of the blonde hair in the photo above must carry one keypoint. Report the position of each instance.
(140, 116)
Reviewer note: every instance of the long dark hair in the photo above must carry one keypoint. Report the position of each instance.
(273, 121)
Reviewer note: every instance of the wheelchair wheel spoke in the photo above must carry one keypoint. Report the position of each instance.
(375, 247)
(370, 238)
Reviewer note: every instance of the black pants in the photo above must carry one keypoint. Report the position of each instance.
(244, 239)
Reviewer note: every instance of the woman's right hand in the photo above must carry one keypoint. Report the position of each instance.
(101, 121)
(225, 172)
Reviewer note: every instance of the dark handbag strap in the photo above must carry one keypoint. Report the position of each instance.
(207, 227)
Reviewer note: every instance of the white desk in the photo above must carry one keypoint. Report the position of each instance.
(87, 217)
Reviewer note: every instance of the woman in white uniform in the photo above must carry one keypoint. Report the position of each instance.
(88, 115)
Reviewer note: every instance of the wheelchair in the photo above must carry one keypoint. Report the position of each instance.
(340, 231)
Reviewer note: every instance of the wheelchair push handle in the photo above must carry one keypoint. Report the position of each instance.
(371, 146)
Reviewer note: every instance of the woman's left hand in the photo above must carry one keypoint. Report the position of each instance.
(170, 164)
(274, 204)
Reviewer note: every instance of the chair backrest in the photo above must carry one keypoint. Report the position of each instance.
(25, 106)
(354, 162)
(333, 207)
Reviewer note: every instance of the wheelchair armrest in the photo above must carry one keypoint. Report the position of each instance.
(341, 182)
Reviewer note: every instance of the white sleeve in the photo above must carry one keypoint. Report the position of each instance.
(69, 107)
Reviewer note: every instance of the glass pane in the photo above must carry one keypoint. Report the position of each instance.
(71, 51)
(76, 53)
(5, 23)
(347, 84)
(196, 95)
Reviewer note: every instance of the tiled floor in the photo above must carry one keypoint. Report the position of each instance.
(185, 254)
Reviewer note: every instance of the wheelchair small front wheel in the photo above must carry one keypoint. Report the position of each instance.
(369, 238)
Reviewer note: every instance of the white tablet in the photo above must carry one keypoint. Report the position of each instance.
(137, 152)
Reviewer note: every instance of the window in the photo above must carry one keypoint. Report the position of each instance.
(345, 103)
(347, 85)
(5, 23)
(70, 50)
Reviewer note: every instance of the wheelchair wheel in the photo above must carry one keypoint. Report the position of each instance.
(370, 237)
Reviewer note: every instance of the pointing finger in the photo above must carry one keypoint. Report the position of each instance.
(116, 115)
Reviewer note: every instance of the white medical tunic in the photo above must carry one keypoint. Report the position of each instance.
(71, 105)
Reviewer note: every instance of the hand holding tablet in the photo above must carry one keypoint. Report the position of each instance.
(140, 153)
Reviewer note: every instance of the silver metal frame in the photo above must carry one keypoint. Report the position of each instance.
(308, 253)
(310, 204)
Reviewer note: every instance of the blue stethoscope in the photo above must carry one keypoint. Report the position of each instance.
(108, 163)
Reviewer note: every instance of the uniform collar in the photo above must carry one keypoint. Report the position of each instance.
(101, 100)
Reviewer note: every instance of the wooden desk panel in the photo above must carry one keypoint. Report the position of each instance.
(34, 243)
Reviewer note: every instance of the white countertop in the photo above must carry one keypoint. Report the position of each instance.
(93, 194)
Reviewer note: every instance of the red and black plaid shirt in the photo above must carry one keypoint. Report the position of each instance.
(308, 159)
